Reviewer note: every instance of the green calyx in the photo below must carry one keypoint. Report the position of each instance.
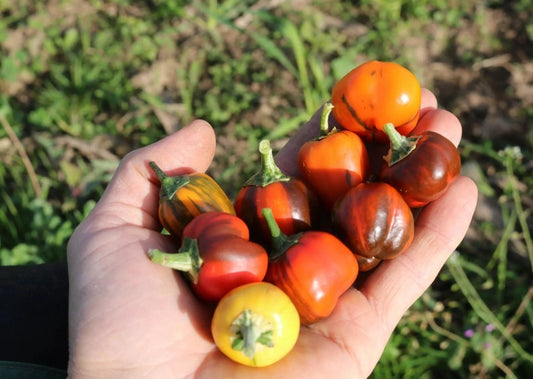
(187, 260)
(269, 171)
(280, 241)
(400, 146)
(169, 184)
(249, 330)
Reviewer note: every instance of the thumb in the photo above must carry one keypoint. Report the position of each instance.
(133, 191)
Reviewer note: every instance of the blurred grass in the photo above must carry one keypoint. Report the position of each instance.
(84, 82)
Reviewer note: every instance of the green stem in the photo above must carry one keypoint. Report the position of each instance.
(251, 329)
(396, 139)
(444, 332)
(324, 120)
(157, 170)
(501, 251)
(249, 334)
(169, 184)
(400, 146)
(269, 171)
(521, 214)
(280, 241)
(187, 260)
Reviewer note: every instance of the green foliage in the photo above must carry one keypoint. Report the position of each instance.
(36, 229)
(229, 94)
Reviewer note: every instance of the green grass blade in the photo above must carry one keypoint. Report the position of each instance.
(290, 31)
(500, 253)
(264, 42)
(273, 51)
(287, 126)
(480, 307)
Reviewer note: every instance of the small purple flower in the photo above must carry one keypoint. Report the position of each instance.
(489, 328)
(469, 333)
(486, 345)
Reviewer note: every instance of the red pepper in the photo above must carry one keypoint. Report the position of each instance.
(294, 206)
(314, 268)
(420, 167)
(216, 255)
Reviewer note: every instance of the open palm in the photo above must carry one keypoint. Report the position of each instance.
(130, 318)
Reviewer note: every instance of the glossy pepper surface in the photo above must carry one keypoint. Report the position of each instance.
(374, 94)
(420, 167)
(313, 268)
(293, 205)
(255, 324)
(333, 162)
(374, 221)
(216, 255)
(183, 197)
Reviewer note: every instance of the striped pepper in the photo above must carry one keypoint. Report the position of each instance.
(294, 206)
(183, 197)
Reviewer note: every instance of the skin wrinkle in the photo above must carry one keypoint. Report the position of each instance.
(80, 260)
(342, 346)
(151, 196)
(378, 305)
(417, 276)
(135, 361)
(347, 317)
(116, 214)
(132, 174)
(425, 224)
(345, 344)
(89, 237)
(129, 361)
(88, 286)
(118, 372)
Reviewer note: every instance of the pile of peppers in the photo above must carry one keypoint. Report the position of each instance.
(281, 254)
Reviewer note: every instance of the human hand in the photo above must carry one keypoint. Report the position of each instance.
(132, 318)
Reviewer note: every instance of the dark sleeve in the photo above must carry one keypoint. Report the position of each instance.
(23, 370)
(34, 314)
